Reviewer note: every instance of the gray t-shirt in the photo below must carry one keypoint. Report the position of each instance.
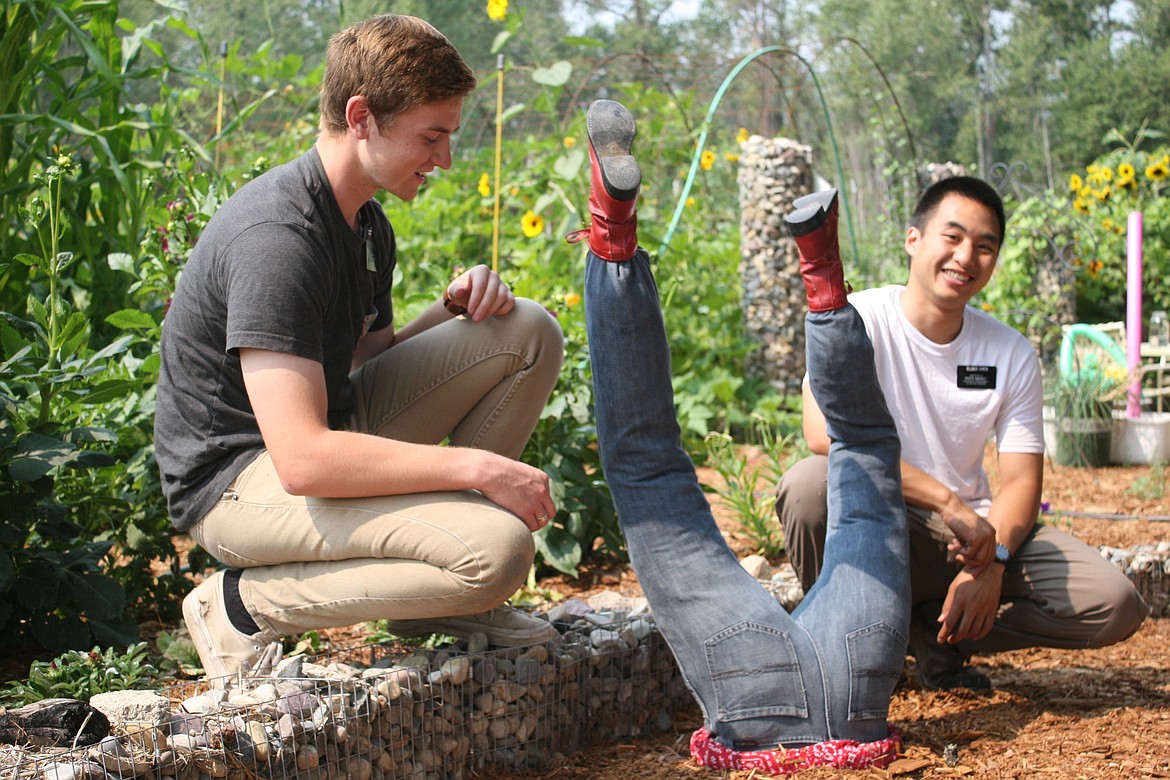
(277, 268)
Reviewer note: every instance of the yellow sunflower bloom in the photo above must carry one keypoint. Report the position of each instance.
(1125, 171)
(569, 142)
(497, 10)
(707, 159)
(690, 202)
(1107, 174)
(1075, 183)
(572, 299)
(1095, 268)
(731, 157)
(485, 185)
(532, 224)
(1080, 205)
(1158, 171)
(1107, 224)
(1103, 193)
(742, 135)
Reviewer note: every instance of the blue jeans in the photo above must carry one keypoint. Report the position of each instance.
(761, 676)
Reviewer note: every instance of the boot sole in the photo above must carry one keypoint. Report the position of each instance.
(810, 212)
(611, 132)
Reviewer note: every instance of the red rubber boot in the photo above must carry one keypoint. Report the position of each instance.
(616, 178)
(813, 223)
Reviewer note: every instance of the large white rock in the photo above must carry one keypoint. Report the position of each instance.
(123, 707)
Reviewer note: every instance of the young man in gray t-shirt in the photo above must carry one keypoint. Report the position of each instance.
(298, 429)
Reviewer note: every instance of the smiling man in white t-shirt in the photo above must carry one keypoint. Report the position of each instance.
(953, 377)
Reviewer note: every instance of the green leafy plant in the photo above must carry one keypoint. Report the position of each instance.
(378, 634)
(1150, 486)
(1087, 394)
(50, 569)
(585, 527)
(178, 654)
(80, 675)
(746, 490)
(1083, 404)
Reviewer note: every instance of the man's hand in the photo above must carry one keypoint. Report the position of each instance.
(971, 605)
(480, 293)
(521, 489)
(974, 542)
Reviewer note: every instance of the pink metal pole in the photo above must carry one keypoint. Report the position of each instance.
(1133, 312)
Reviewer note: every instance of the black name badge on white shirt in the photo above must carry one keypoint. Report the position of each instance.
(976, 377)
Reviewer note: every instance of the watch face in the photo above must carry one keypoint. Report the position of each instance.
(1001, 554)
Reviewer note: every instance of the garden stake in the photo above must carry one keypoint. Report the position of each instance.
(499, 139)
(219, 109)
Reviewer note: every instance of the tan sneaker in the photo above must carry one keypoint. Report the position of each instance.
(504, 626)
(224, 651)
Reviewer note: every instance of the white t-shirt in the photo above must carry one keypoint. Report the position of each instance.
(948, 399)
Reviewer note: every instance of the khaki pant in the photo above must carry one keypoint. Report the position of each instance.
(313, 563)
(1057, 591)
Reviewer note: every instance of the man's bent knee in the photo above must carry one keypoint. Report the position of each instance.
(802, 508)
(1126, 614)
(503, 567)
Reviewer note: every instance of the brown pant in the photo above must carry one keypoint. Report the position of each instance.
(312, 563)
(1057, 591)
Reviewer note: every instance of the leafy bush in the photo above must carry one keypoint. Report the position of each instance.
(80, 675)
(1038, 268)
(50, 385)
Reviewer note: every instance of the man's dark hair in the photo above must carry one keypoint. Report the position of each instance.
(966, 186)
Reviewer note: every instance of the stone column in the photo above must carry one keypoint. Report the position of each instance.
(772, 173)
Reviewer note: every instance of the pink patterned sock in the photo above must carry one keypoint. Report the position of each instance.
(838, 753)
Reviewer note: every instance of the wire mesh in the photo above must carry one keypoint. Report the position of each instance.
(384, 712)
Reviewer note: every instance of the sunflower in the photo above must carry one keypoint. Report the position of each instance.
(742, 135)
(497, 10)
(532, 224)
(485, 185)
(731, 157)
(1159, 170)
(572, 299)
(1075, 182)
(707, 159)
(1125, 176)
(569, 142)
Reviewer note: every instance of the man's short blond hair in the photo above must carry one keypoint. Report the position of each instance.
(396, 63)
